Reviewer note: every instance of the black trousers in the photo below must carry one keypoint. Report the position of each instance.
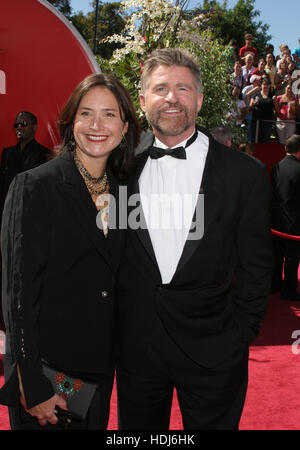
(96, 419)
(209, 399)
(286, 261)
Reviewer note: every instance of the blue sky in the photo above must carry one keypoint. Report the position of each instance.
(282, 16)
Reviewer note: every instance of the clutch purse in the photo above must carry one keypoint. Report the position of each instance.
(78, 393)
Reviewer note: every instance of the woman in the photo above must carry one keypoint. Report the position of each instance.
(282, 78)
(237, 76)
(60, 266)
(270, 69)
(247, 69)
(238, 107)
(263, 113)
(286, 109)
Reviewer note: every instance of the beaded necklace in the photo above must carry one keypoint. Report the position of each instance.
(96, 186)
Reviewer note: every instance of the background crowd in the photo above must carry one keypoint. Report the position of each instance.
(265, 91)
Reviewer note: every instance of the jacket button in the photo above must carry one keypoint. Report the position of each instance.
(104, 294)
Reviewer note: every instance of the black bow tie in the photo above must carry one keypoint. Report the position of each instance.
(156, 152)
(178, 152)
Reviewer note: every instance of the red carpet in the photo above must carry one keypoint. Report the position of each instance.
(273, 398)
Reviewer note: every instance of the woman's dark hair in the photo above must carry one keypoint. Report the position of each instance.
(122, 158)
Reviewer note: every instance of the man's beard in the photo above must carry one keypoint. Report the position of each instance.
(171, 126)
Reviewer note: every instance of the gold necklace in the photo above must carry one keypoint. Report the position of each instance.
(96, 186)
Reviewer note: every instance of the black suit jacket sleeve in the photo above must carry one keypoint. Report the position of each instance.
(253, 258)
(25, 215)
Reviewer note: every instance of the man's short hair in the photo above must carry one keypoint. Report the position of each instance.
(293, 144)
(248, 36)
(222, 134)
(170, 57)
(30, 114)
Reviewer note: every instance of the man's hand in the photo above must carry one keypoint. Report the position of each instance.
(45, 412)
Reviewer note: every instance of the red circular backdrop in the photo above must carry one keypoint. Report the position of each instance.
(42, 59)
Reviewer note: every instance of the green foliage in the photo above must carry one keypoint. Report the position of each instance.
(128, 31)
(233, 23)
(110, 21)
(215, 68)
(212, 56)
(63, 6)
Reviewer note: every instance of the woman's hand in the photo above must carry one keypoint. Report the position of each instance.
(45, 411)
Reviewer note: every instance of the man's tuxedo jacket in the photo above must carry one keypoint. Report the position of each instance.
(285, 177)
(217, 298)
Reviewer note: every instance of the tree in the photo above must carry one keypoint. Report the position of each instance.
(154, 24)
(110, 22)
(63, 6)
(234, 23)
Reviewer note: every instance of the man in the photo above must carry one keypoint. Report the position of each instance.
(296, 55)
(223, 135)
(189, 303)
(25, 155)
(286, 218)
(248, 49)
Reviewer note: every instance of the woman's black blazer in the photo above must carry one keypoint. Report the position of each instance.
(59, 275)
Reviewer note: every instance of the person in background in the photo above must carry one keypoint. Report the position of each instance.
(25, 155)
(282, 78)
(285, 56)
(248, 49)
(259, 70)
(247, 94)
(61, 249)
(238, 107)
(296, 55)
(286, 110)
(282, 48)
(237, 76)
(223, 135)
(247, 69)
(232, 46)
(269, 49)
(262, 106)
(285, 213)
(270, 70)
(290, 70)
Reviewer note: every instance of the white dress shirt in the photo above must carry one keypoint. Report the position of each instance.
(169, 189)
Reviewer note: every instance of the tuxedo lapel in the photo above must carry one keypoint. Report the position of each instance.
(79, 201)
(142, 230)
(211, 193)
